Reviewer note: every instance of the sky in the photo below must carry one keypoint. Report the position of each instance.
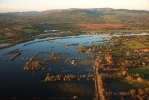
(41, 5)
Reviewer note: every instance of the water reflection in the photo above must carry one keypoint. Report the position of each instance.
(12, 71)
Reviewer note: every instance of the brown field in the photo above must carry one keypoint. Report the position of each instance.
(89, 26)
(99, 26)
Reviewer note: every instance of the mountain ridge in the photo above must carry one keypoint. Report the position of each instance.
(38, 13)
(130, 19)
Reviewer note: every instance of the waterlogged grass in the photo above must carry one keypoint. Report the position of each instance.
(76, 89)
(126, 85)
(6, 41)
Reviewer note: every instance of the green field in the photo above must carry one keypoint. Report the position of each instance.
(19, 26)
(126, 85)
(132, 44)
(26, 28)
(140, 70)
(30, 30)
(122, 31)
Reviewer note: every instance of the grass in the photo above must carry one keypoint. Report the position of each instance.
(122, 31)
(24, 27)
(140, 70)
(132, 44)
(19, 26)
(126, 85)
(30, 30)
(9, 34)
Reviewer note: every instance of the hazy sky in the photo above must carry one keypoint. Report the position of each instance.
(40, 5)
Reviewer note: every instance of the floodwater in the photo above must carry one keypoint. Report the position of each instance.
(4, 44)
(17, 83)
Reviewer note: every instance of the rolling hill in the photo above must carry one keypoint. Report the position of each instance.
(130, 19)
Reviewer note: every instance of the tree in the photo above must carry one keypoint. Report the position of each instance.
(132, 91)
(141, 91)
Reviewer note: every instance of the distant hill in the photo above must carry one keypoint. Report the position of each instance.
(96, 15)
(126, 17)
(32, 13)
(36, 13)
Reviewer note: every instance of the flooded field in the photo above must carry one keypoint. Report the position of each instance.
(26, 67)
